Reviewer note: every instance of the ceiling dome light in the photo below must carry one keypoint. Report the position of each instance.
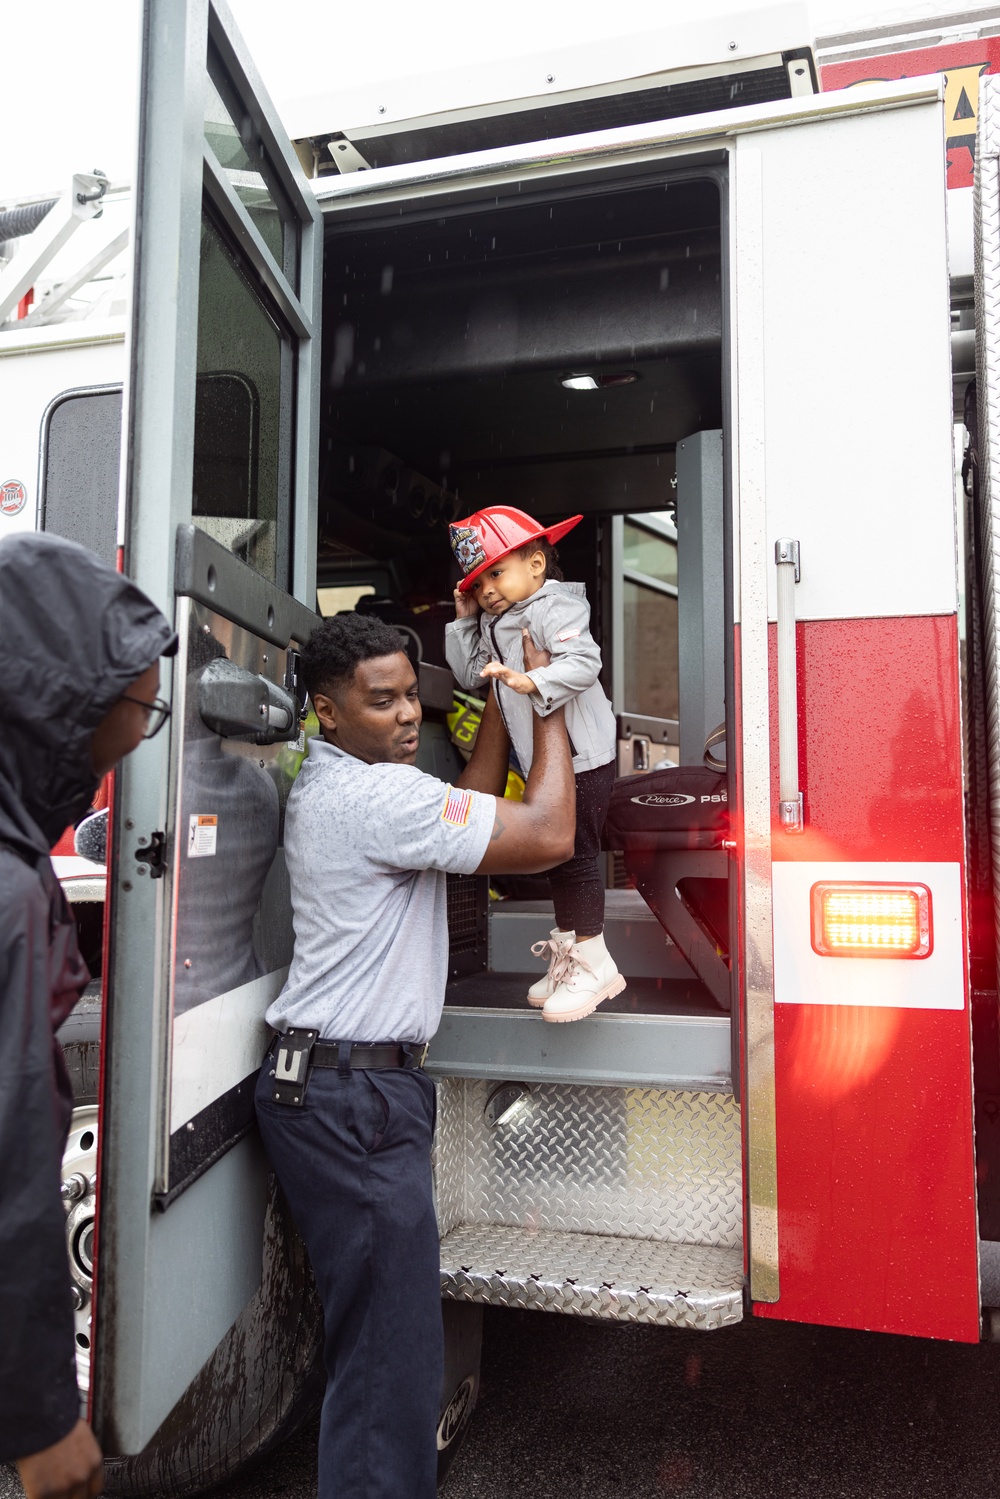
(599, 382)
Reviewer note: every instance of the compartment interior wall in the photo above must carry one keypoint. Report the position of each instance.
(447, 338)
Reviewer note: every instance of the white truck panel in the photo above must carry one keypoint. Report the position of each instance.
(855, 339)
(35, 367)
(729, 37)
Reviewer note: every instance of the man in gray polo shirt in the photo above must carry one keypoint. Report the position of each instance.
(345, 1111)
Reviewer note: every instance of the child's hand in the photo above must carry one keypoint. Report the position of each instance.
(465, 605)
(515, 680)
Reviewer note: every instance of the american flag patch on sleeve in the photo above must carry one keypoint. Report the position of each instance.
(457, 807)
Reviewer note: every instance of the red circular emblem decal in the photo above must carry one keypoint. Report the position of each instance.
(13, 496)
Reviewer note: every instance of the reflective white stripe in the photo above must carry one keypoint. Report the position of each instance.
(219, 1043)
(803, 977)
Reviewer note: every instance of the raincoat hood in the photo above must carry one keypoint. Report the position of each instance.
(73, 635)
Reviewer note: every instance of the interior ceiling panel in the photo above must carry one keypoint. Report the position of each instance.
(458, 425)
(533, 316)
(487, 235)
(445, 339)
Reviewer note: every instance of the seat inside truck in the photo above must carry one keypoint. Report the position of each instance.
(561, 352)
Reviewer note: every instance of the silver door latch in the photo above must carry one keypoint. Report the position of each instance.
(791, 810)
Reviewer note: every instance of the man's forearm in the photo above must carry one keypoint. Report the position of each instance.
(550, 788)
(490, 759)
(538, 832)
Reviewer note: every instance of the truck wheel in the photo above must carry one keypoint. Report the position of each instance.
(265, 1378)
(79, 1180)
(463, 1341)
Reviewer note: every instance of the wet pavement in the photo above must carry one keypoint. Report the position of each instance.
(577, 1410)
(581, 1409)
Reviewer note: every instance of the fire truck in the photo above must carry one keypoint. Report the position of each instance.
(712, 288)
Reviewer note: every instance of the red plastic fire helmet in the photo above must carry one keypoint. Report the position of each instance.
(494, 533)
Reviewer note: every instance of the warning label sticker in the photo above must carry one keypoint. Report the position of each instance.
(203, 832)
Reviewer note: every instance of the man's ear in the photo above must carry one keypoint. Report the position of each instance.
(326, 710)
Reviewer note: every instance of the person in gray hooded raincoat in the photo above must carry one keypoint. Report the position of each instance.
(79, 669)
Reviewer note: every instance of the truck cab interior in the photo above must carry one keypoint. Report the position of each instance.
(561, 353)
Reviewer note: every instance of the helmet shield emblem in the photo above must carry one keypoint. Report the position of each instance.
(468, 548)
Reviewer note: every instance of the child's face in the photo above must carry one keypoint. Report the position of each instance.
(509, 581)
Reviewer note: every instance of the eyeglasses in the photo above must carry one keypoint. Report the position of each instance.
(157, 713)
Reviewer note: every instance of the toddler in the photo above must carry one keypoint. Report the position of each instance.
(511, 576)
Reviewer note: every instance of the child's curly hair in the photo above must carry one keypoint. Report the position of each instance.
(548, 551)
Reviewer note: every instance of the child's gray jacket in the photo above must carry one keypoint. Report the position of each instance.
(558, 617)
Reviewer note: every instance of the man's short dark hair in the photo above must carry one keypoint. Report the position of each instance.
(338, 646)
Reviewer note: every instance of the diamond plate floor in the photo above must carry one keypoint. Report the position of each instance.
(594, 1275)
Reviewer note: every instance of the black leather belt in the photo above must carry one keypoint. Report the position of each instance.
(361, 1055)
(388, 1054)
(298, 1051)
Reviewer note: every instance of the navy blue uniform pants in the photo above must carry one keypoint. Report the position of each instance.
(355, 1165)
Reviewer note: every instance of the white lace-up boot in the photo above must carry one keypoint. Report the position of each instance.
(556, 949)
(592, 977)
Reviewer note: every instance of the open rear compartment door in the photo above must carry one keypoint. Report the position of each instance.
(858, 1098)
(206, 1323)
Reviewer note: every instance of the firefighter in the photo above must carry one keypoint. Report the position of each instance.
(347, 1119)
(78, 691)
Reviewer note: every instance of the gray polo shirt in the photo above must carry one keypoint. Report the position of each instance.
(368, 848)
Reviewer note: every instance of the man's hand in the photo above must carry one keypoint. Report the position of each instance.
(517, 681)
(70, 1469)
(538, 832)
(534, 656)
(465, 605)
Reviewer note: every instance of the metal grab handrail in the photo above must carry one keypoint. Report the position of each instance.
(790, 802)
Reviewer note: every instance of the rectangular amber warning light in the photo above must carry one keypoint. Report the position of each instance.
(853, 920)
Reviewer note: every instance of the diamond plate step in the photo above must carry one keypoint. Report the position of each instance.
(594, 1275)
(640, 946)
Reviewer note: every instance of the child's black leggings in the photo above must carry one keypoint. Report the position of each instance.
(578, 885)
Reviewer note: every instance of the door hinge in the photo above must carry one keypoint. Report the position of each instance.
(153, 853)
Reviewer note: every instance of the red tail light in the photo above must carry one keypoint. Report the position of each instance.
(853, 920)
